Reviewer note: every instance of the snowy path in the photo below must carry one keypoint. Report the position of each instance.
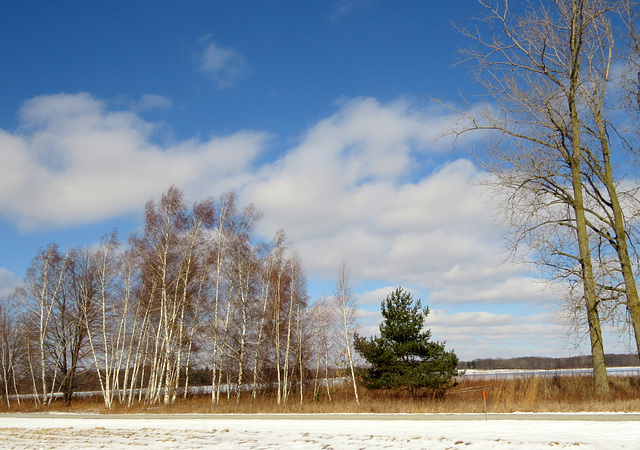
(187, 432)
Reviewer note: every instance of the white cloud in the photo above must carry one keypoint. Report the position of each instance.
(345, 7)
(224, 65)
(152, 102)
(75, 162)
(350, 189)
(376, 296)
(517, 289)
(484, 334)
(481, 334)
(8, 282)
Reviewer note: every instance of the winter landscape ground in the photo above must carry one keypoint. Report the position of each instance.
(457, 421)
(531, 431)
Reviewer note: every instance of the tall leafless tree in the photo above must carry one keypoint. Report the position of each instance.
(545, 71)
(11, 348)
(344, 302)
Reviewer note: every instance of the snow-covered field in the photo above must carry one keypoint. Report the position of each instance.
(524, 373)
(544, 431)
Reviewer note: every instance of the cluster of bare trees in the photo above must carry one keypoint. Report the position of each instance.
(194, 289)
(561, 121)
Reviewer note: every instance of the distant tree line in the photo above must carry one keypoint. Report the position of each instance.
(541, 363)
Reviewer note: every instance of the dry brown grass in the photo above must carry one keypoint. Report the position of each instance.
(532, 394)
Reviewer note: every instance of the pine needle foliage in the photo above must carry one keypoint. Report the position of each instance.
(404, 357)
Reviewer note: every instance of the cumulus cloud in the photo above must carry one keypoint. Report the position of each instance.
(224, 65)
(517, 289)
(376, 296)
(152, 102)
(482, 334)
(351, 189)
(8, 282)
(73, 161)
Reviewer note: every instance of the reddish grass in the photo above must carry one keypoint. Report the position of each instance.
(532, 394)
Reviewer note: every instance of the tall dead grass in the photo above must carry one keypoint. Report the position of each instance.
(531, 394)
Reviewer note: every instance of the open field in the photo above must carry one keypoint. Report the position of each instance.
(530, 412)
(503, 395)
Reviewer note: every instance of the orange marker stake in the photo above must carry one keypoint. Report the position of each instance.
(484, 399)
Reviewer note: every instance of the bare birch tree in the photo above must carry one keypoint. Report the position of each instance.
(76, 313)
(270, 260)
(279, 292)
(108, 319)
(296, 297)
(43, 296)
(168, 250)
(11, 348)
(243, 270)
(345, 301)
(322, 324)
(225, 218)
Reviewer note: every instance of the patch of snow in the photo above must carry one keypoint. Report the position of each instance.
(523, 373)
(197, 433)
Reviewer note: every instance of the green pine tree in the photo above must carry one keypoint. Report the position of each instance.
(403, 357)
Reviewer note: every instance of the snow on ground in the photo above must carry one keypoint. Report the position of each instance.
(68, 432)
(633, 371)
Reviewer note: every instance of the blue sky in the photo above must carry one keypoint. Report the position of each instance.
(317, 112)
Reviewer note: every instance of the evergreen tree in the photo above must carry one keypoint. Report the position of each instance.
(403, 357)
